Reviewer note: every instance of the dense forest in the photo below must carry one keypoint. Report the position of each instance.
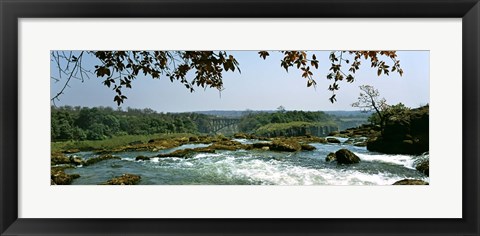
(97, 123)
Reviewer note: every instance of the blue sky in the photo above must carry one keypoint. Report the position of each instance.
(262, 85)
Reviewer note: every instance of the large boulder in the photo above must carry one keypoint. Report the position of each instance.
(125, 179)
(59, 177)
(285, 146)
(308, 147)
(423, 167)
(333, 140)
(345, 156)
(410, 182)
(405, 133)
(59, 158)
(331, 157)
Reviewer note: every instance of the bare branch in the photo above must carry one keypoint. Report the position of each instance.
(70, 75)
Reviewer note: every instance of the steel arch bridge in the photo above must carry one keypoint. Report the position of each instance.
(217, 124)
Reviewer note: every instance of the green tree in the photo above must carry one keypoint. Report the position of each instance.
(79, 134)
(395, 112)
(277, 118)
(62, 127)
(112, 123)
(97, 131)
(88, 117)
(119, 69)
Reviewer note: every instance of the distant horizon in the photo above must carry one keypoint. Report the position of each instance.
(214, 110)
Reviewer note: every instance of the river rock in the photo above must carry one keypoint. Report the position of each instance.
(94, 160)
(333, 140)
(308, 147)
(360, 144)
(76, 160)
(228, 145)
(345, 156)
(59, 177)
(410, 182)
(240, 135)
(423, 167)
(285, 146)
(125, 179)
(188, 152)
(331, 157)
(59, 158)
(142, 158)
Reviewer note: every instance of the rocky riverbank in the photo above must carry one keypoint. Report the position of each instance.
(403, 133)
(63, 160)
(60, 161)
(407, 133)
(59, 177)
(292, 144)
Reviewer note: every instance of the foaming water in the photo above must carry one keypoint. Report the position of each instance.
(269, 171)
(405, 160)
(244, 167)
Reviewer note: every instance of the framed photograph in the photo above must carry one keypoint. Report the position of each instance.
(248, 118)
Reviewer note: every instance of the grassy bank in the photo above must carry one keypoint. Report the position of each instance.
(295, 125)
(111, 143)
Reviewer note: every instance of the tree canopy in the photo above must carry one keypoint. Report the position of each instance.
(205, 69)
(97, 123)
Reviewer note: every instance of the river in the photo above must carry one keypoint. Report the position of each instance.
(254, 167)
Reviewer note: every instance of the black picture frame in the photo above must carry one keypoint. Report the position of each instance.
(12, 10)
